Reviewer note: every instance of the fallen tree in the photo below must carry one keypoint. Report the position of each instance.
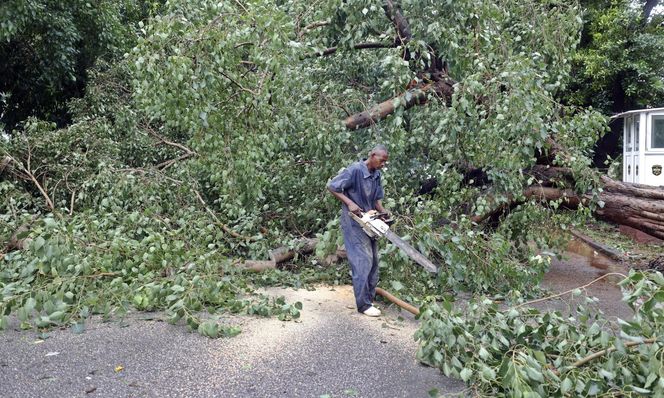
(638, 206)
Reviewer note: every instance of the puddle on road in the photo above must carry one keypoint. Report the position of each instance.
(592, 258)
(580, 265)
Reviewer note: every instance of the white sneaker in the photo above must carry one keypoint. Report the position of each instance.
(372, 311)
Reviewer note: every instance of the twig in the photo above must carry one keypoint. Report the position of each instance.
(242, 6)
(188, 152)
(71, 203)
(167, 142)
(238, 84)
(223, 226)
(32, 177)
(315, 25)
(571, 290)
(242, 44)
(100, 274)
(169, 163)
(598, 354)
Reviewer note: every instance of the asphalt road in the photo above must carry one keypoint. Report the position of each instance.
(331, 351)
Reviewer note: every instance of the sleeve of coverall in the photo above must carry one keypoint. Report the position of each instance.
(341, 182)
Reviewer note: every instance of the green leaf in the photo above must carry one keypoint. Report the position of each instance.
(465, 374)
(56, 316)
(30, 304)
(534, 374)
(396, 285)
(38, 243)
(78, 328)
(22, 314)
(651, 379)
(566, 385)
(488, 373)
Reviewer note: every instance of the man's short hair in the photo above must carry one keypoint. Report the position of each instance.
(379, 148)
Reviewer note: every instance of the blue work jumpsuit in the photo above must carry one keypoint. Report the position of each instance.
(364, 188)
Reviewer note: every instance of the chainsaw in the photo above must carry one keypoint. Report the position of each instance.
(376, 225)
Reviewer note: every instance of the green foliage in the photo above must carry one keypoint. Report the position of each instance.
(523, 352)
(619, 65)
(211, 140)
(46, 46)
(76, 268)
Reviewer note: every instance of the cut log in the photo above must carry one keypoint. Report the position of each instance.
(304, 246)
(258, 266)
(638, 206)
(639, 236)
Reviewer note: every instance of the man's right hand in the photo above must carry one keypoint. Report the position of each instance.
(353, 208)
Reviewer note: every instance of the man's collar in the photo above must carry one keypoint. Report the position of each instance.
(365, 171)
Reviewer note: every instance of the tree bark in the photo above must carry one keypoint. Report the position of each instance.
(443, 88)
(647, 9)
(638, 206)
(304, 246)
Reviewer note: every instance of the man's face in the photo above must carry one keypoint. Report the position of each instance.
(379, 159)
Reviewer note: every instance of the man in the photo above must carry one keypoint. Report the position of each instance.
(359, 189)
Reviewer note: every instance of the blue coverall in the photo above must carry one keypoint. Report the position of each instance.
(364, 188)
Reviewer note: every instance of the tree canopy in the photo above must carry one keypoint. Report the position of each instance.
(208, 130)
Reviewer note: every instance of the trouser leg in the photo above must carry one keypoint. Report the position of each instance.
(364, 274)
(373, 273)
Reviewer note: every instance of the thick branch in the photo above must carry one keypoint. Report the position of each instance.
(304, 246)
(415, 96)
(359, 46)
(393, 12)
(609, 350)
(315, 25)
(647, 9)
(390, 297)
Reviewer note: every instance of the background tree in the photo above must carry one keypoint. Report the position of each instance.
(47, 46)
(619, 65)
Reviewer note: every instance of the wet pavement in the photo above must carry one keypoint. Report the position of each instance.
(579, 266)
(331, 351)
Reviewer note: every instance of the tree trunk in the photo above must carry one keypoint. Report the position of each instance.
(647, 9)
(638, 206)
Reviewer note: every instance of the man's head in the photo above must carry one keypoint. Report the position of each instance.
(378, 157)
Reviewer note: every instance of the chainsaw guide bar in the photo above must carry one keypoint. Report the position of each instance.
(375, 227)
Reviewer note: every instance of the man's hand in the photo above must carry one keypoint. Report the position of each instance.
(353, 208)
